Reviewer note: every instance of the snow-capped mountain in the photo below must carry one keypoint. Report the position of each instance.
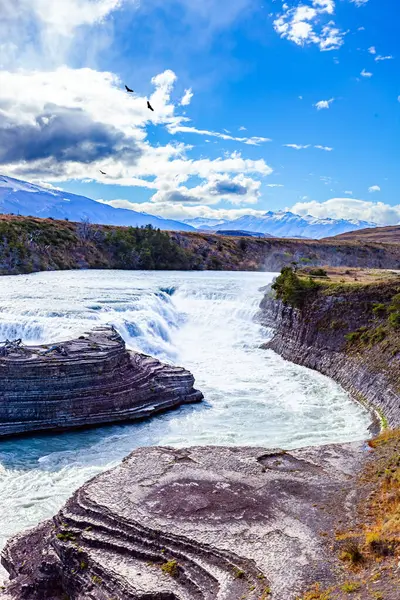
(287, 224)
(22, 198)
(201, 222)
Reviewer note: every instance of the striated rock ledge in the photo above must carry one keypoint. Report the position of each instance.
(199, 524)
(89, 381)
(315, 337)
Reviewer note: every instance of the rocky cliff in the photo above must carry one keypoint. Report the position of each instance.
(347, 330)
(89, 381)
(199, 524)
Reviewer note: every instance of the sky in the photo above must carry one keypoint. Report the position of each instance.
(258, 104)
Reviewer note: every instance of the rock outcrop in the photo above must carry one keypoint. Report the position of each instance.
(199, 524)
(338, 333)
(89, 381)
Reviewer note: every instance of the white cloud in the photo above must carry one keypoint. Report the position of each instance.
(323, 104)
(41, 33)
(274, 185)
(365, 73)
(349, 193)
(242, 128)
(374, 188)
(174, 128)
(359, 2)
(176, 210)
(305, 25)
(372, 50)
(64, 17)
(77, 122)
(297, 146)
(305, 147)
(381, 58)
(187, 97)
(350, 208)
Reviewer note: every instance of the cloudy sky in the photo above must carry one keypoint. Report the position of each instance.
(258, 104)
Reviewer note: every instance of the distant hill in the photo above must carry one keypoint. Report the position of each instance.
(377, 234)
(285, 224)
(22, 198)
(239, 233)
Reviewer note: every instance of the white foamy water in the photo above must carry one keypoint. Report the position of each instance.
(202, 321)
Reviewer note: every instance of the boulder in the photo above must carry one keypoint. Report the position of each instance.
(89, 381)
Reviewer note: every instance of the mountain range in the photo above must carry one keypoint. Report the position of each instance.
(22, 198)
(284, 224)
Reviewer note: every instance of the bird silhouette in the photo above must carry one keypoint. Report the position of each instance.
(102, 172)
(149, 106)
(128, 89)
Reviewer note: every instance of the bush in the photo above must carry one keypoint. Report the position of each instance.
(394, 310)
(171, 568)
(379, 310)
(394, 320)
(318, 273)
(293, 290)
(351, 586)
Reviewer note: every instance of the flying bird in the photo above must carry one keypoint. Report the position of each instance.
(149, 106)
(128, 89)
(102, 172)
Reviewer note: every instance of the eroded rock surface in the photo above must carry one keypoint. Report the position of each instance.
(89, 381)
(241, 523)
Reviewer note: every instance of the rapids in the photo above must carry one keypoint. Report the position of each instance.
(204, 321)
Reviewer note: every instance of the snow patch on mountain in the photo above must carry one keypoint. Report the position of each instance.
(288, 224)
(22, 198)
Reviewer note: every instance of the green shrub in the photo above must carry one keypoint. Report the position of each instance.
(318, 273)
(351, 586)
(292, 289)
(379, 310)
(170, 568)
(394, 310)
(394, 320)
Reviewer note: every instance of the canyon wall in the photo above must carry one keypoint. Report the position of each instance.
(345, 332)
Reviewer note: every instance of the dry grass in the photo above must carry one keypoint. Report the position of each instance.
(317, 593)
(382, 537)
(355, 275)
(371, 551)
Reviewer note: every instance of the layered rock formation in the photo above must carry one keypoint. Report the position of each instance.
(89, 381)
(200, 524)
(338, 333)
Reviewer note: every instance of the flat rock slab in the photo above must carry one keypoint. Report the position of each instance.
(210, 523)
(89, 381)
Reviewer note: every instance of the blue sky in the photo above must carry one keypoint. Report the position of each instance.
(259, 104)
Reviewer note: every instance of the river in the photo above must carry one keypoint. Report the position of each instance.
(204, 321)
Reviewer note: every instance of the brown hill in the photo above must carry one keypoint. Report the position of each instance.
(389, 235)
(30, 244)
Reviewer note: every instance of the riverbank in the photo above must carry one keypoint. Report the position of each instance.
(31, 244)
(344, 324)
